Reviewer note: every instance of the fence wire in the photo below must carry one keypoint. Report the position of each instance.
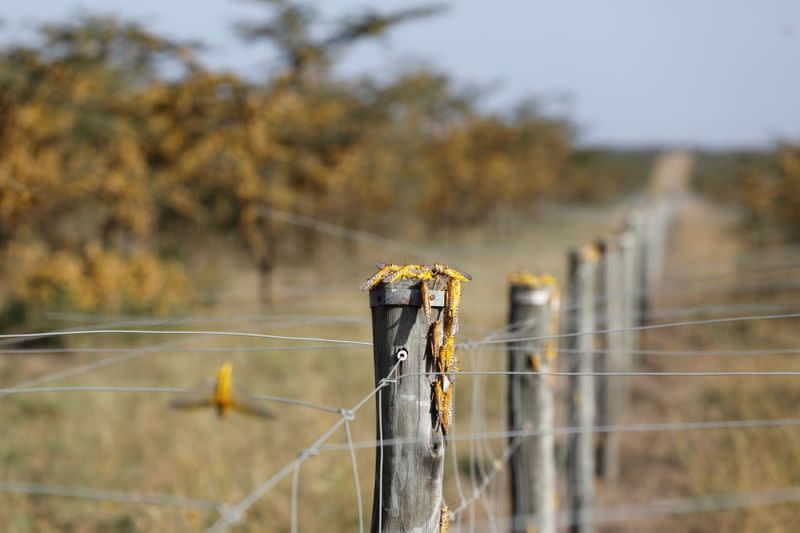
(483, 488)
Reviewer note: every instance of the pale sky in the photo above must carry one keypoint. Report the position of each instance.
(715, 73)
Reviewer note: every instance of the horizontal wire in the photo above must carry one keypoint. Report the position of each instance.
(708, 373)
(203, 349)
(164, 500)
(177, 332)
(83, 368)
(701, 504)
(363, 236)
(692, 353)
(267, 317)
(599, 301)
(752, 257)
(670, 282)
(469, 344)
(345, 233)
(666, 507)
(749, 288)
(572, 430)
(159, 390)
(718, 309)
(763, 352)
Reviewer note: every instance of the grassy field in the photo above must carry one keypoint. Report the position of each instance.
(706, 246)
(133, 442)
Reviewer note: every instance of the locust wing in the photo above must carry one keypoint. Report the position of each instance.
(199, 396)
(248, 405)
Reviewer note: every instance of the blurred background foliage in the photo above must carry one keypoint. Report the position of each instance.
(120, 152)
(765, 184)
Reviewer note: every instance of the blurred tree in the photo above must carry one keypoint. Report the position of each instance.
(114, 139)
(291, 29)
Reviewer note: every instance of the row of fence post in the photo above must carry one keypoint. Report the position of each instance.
(608, 289)
(609, 285)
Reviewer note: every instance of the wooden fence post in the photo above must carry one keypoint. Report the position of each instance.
(610, 398)
(580, 470)
(656, 235)
(635, 225)
(534, 303)
(599, 361)
(413, 327)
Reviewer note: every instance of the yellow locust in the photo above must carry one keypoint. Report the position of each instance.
(219, 393)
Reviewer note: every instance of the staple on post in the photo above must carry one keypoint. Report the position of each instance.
(534, 307)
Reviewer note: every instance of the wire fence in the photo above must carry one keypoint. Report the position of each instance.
(478, 458)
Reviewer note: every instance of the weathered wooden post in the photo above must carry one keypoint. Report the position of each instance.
(632, 275)
(581, 324)
(601, 353)
(414, 318)
(534, 307)
(636, 226)
(611, 401)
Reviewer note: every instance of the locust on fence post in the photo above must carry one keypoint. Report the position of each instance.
(534, 307)
(414, 320)
(581, 324)
(611, 390)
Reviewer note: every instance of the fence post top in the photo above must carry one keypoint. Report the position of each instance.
(586, 254)
(525, 280)
(531, 289)
(403, 293)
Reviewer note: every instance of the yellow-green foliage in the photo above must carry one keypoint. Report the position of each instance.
(771, 192)
(766, 184)
(93, 278)
(102, 157)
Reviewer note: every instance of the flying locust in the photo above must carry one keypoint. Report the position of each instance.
(219, 393)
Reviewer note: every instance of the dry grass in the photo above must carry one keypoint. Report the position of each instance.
(133, 442)
(714, 462)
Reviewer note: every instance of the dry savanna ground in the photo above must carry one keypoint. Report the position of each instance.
(133, 442)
